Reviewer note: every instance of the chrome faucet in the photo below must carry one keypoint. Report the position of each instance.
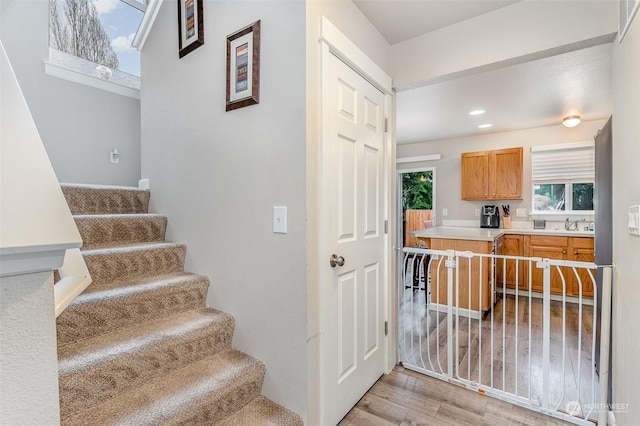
(571, 225)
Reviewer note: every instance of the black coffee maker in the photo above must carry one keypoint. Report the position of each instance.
(490, 217)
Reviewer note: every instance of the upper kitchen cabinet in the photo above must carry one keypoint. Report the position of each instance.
(492, 175)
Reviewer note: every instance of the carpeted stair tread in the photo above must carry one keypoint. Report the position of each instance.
(133, 261)
(262, 412)
(118, 229)
(100, 199)
(133, 302)
(139, 346)
(99, 368)
(202, 393)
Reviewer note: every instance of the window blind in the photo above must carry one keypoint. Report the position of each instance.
(568, 162)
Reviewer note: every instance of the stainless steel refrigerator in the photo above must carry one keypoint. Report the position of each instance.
(603, 224)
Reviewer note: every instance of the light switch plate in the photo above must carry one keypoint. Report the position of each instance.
(445, 212)
(634, 220)
(280, 219)
(115, 156)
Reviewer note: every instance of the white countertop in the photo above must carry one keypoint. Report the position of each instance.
(459, 233)
(486, 234)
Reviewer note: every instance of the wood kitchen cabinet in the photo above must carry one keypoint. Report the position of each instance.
(507, 272)
(552, 248)
(563, 248)
(582, 251)
(492, 175)
(478, 286)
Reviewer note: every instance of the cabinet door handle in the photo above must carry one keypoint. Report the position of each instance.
(564, 251)
(575, 252)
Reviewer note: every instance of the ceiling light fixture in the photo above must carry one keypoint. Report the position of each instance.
(571, 121)
(477, 112)
(485, 126)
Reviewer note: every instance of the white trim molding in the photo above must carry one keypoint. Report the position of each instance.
(153, 6)
(417, 159)
(76, 77)
(351, 55)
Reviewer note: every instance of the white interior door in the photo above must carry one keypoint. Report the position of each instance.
(353, 191)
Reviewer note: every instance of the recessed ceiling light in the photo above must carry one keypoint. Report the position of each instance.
(485, 126)
(477, 112)
(571, 121)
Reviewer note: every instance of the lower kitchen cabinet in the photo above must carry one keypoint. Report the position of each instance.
(582, 251)
(474, 294)
(511, 272)
(562, 248)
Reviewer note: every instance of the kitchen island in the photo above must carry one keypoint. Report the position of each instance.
(472, 296)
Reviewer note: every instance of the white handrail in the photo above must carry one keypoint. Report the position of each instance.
(75, 278)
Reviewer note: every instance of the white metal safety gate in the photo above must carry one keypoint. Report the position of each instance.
(532, 348)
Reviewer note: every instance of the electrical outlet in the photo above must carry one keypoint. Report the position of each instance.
(522, 212)
(445, 212)
(477, 212)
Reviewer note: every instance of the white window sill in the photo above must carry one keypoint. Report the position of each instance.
(57, 67)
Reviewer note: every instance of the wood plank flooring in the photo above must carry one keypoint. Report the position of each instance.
(505, 344)
(502, 351)
(407, 398)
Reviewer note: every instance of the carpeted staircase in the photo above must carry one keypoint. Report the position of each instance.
(139, 347)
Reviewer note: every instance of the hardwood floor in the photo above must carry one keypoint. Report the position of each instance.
(504, 350)
(407, 398)
(501, 351)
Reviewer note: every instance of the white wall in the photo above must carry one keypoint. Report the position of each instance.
(524, 28)
(28, 358)
(217, 175)
(352, 23)
(78, 124)
(448, 190)
(626, 192)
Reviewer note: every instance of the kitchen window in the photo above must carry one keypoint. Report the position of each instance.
(563, 177)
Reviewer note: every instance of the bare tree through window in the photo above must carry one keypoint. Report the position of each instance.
(77, 30)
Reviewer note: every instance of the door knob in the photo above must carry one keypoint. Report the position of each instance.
(336, 260)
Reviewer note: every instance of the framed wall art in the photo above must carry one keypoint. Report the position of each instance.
(243, 67)
(190, 26)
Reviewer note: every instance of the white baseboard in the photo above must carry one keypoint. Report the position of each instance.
(456, 311)
(144, 184)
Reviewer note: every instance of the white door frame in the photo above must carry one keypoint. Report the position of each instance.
(334, 42)
(399, 258)
(399, 173)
